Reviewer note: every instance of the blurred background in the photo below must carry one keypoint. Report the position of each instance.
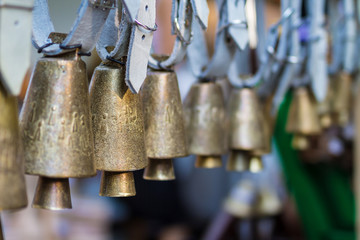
(290, 199)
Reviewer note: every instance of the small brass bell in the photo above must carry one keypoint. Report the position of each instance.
(118, 125)
(204, 110)
(302, 118)
(12, 179)
(342, 98)
(238, 161)
(248, 129)
(56, 129)
(164, 124)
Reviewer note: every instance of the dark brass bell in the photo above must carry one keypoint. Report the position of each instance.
(12, 184)
(56, 127)
(159, 170)
(52, 194)
(238, 161)
(118, 126)
(204, 110)
(302, 118)
(342, 98)
(164, 123)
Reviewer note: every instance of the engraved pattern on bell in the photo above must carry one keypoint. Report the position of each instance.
(165, 136)
(118, 122)
(55, 120)
(204, 110)
(12, 180)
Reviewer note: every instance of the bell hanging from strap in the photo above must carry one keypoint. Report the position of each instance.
(12, 180)
(248, 130)
(302, 118)
(342, 99)
(118, 125)
(56, 129)
(165, 136)
(204, 110)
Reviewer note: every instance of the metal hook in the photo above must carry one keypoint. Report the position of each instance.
(149, 29)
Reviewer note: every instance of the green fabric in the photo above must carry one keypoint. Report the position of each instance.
(322, 192)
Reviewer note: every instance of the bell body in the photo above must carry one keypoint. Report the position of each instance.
(118, 122)
(204, 110)
(55, 120)
(248, 129)
(12, 180)
(165, 136)
(342, 98)
(302, 117)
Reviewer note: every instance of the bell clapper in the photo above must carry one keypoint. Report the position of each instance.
(117, 184)
(159, 170)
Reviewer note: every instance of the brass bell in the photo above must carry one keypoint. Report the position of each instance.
(302, 118)
(118, 126)
(164, 124)
(204, 110)
(248, 129)
(56, 128)
(238, 161)
(342, 98)
(12, 184)
(325, 108)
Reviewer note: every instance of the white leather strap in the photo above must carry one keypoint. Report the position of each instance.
(15, 45)
(85, 31)
(201, 12)
(350, 37)
(139, 46)
(181, 26)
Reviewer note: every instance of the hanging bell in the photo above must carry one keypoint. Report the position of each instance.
(164, 124)
(118, 127)
(238, 161)
(12, 179)
(302, 118)
(325, 108)
(56, 129)
(248, 129)
(342, 99)
(204, 110)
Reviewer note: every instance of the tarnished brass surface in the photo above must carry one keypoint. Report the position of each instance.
(118, 122)
(55, 120)
(117, 184)
(302, 117)
(248, 129)
(238, 161)
(255, 164)
(12, 180)
(163, 116)
(159, 170)
(300, 142)
(204, 110)
(208, 161)
(226, 88)
(52, 194)
(342, 98)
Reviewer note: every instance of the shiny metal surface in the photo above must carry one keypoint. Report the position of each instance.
(117, 184)
(52, 194)
(159, 170)
(208, 161)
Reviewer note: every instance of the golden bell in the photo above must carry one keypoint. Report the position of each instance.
(118, 126)
(52, 194)
(248, 129)
(226, 88)
(164, 122)
(325, 108)
(204, 110)
(238, 161)
(12, 179)
(342, 98)
(159, 170)
(56, 124)
(302, 118)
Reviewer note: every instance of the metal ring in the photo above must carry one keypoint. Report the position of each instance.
(238, 23)
(179, 35)
(114, 60)
(40, 49)
(149, 29)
